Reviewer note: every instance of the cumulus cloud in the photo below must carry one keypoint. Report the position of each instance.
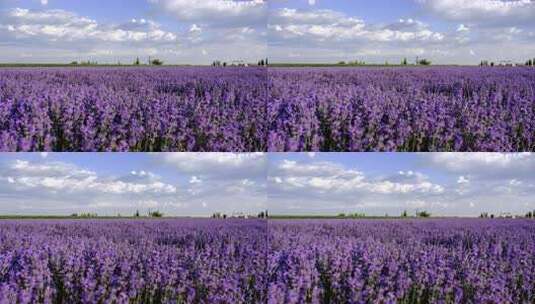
(328, 177)
(220, 165)
(54, 25)
(62, 35)
(318, 186)
(32, 185)
(487, 12)
(328, 25)
(219, 12)
(455, 31)
(327, 35)
(449, 186)
(64, 177)
(485, 165)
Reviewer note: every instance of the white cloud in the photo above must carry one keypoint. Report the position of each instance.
(462, 28)
(195, 29)
(461, 32)
(223, 165)
(463, 180)
(53, 25)
(327, 177)
(484, 162)
(328, 25)
(220, 12)
(59, 176)
(62, 35)
(483, 11)
(195, 180)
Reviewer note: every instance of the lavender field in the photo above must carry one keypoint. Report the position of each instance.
(251, 261)
(402, 109)
(427, 261)
(167, 261)
(133, 109)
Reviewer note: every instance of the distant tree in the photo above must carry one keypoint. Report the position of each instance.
(224, 216)
(492, 216)
(74, 215)
(267, 214)
(404, 62)
(492, 64)
(423, 214)
(74, 63)
(266, 61)
(404, 213)
(341, 215)
(224, 64)
(530, 63)
(136, 62)
(261, 215)
(136, 214)
(424, 62)
(341, 63)
(156, 62)
(155, 214)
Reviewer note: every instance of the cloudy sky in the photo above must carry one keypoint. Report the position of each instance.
(108, 183)
(444, 31)
(200, 31)
(285, 183)
(452, 184)
(176, 31)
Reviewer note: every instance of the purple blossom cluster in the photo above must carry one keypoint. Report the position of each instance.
(133, 109)
(402, 109)
(141, 261)
(402, 261)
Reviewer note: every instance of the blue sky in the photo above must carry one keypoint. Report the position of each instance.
(200, 31)
(111, 31)
(199, 184)
(443, 31)
(450, 184)
(111, 183)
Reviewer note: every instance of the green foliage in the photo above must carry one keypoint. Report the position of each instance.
(424, 62)
(156, 62)
(155, 214)
(423, 214)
